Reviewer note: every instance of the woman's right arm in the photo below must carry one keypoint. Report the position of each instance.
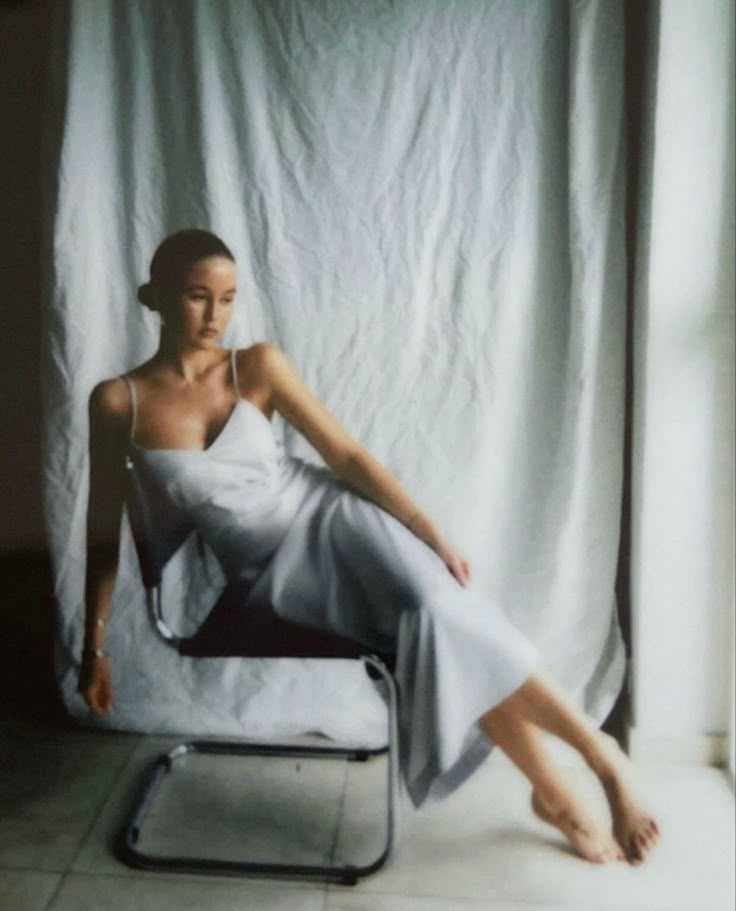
(109, 417)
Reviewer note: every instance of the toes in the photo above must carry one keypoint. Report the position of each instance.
(638, 844)
(642, 843)
(634, 853)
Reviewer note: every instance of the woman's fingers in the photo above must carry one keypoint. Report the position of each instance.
(464, 570)
(101, 702)
(457, 565)
(460, 570)
(97, 691)
(106, 689)
(92, 699)
(104, 700)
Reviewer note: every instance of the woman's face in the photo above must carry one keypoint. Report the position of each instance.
(204, 305)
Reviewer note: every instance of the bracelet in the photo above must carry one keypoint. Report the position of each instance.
(95, 652)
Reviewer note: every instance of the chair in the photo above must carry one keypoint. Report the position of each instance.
(267, 637)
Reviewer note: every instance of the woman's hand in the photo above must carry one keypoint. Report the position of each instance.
(458, 565)
(423, 527)
(95, 684)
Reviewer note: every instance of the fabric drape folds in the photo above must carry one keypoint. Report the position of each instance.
(426, 205)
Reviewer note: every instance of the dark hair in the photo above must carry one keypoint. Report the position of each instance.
(174, 257)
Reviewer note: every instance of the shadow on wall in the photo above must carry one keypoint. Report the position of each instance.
(27, 689)
(24, 48)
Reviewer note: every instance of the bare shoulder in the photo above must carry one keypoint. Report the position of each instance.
(109, 403)
(261, 356)
(258, 365)
(278, 386)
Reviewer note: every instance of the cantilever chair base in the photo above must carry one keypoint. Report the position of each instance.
(346, 874)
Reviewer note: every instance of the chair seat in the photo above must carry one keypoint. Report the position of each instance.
(230, 630)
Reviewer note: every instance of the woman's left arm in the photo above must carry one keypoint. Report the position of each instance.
(292, 398)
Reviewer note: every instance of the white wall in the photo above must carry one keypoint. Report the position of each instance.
(683, 497)
(731, 760)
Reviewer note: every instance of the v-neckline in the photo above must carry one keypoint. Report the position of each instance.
(240, 401)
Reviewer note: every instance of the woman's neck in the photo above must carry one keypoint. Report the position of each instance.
(189, 363)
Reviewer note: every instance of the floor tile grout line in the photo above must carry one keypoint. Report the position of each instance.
(260, 882)
(471, 901)
(474, 902)
(339, 817)
(57, 890)
(23, 868)
(172, 878)
(104, 802)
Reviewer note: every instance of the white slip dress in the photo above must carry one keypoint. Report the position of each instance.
(297, 538)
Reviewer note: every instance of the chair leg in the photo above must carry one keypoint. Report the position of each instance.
(392, 777)
(346, 874)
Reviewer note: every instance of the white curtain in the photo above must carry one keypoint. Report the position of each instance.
(426, 204)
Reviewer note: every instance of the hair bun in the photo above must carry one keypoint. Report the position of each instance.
(145, 295)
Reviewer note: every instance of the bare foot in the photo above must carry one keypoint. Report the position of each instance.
(636, 831)
(589, 839)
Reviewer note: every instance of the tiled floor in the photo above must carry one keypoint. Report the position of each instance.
(63, 793)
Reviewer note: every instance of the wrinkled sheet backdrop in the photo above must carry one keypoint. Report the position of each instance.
(425, 200)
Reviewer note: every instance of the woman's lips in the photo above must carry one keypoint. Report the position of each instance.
(209, 332)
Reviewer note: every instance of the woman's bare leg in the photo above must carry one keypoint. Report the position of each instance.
(552, 799)
(540, 701)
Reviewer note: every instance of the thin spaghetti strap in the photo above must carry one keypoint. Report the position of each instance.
(234, 372)
(133, 404)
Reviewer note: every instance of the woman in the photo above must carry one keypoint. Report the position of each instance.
(344, 549)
